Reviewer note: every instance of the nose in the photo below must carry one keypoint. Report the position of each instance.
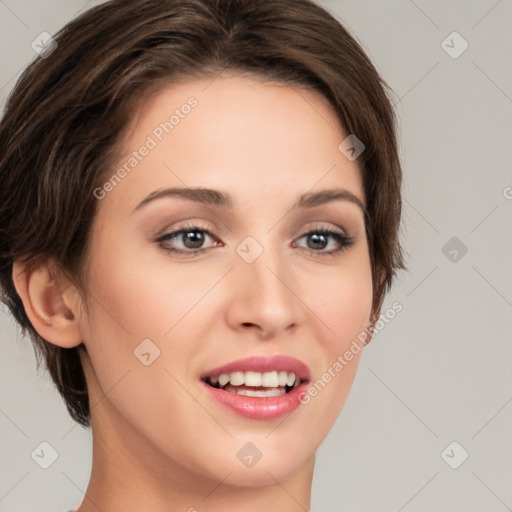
(263, 297)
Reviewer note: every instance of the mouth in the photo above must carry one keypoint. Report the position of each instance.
(259, 376)
(255, 384)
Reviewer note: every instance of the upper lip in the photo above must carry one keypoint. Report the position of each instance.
(262, 364)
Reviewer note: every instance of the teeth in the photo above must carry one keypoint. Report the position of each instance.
(237, 378)
(270, 380)
(273, 379)
(252, 379)
(256, 392)
(282, 378)
(223, 379)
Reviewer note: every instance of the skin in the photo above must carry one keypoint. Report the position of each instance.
(159, 442)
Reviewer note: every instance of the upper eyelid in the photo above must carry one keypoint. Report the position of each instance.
(198, 227)
(193, 227)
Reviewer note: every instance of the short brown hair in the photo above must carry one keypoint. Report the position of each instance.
(60, 132)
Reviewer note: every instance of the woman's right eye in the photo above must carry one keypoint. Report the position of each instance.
(191, 237)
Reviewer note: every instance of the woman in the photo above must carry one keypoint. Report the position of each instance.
(199, 223)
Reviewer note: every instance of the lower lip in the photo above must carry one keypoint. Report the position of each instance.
(258, 408)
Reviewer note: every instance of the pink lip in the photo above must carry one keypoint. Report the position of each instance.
(260, 408)
(262, 364)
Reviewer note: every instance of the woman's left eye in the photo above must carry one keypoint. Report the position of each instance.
(193, 238)
(320, 237)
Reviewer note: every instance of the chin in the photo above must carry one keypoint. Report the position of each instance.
(275, 466)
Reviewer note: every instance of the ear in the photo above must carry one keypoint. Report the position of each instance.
(50, 301)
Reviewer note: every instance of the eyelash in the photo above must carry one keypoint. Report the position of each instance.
(344, 240)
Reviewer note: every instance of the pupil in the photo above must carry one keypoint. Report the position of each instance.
(194, 239)
(318, 238)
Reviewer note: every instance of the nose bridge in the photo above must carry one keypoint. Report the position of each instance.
(262, 284)
(265, 271)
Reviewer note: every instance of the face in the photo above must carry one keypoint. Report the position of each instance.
(180, 284)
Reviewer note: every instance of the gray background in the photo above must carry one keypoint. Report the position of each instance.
(440, 371)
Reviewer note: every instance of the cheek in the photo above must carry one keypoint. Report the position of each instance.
(342, 301)
(140, 293)
(138, 298)
(341, 298)
(347, 307)
(134, 306)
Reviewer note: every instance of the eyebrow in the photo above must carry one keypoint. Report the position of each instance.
(217, 198)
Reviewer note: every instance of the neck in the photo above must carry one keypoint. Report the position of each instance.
(130, 473)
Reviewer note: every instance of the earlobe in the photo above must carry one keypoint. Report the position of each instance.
(43, 289)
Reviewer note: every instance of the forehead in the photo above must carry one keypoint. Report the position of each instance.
(231, 132)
